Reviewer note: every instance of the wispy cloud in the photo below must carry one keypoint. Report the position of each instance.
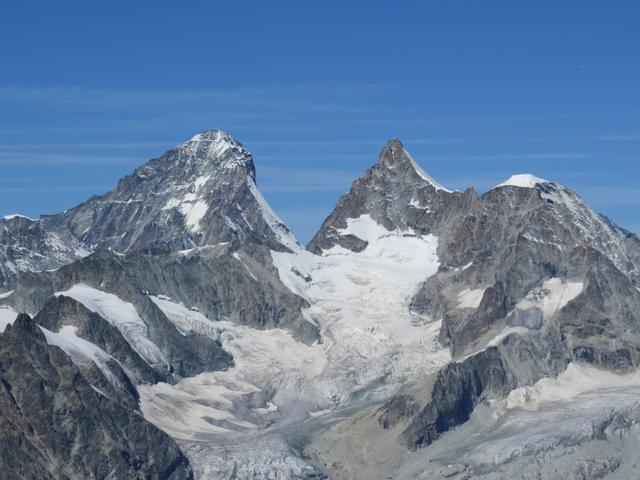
(540, 116)
(624, 137)
(21, 147)
(289, 180)
(608, 196)
(91, 189)
(23, 159)
(515, 156)
(227, 101)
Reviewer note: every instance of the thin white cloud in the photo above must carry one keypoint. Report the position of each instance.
(21, 147)
(617, 137)
(608, 196)
(92, 189)
(290, 180)
(24, 159)
(515, 156)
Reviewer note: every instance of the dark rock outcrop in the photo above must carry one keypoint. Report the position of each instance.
(55, 425)
(60, 311)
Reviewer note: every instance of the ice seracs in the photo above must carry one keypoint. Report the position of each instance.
(523, 180)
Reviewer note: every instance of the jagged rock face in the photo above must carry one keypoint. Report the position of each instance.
(227, 282)
(185, 355)
(200, 193)
(55, 425)
(190, 224)
(520, 238)
(397, 194)
(25, 244)
(60, 311)
(503, 244)
(530, 280)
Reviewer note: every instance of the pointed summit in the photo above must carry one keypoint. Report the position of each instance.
(395, 156)
(201, 192)
(395, 193)
(212, 150)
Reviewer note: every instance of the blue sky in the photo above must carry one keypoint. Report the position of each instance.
(476, 91)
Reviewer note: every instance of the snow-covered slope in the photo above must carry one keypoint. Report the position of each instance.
(369, 345)
(200, 193)
(7, 316)
(121, 315)
(187, 265)
(360, 301)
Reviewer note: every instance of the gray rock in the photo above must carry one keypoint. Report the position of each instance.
(60, 311)
(54, 424)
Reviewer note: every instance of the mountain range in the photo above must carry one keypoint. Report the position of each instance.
(174, 328)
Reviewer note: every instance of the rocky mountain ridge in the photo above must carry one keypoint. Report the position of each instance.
(414, 313)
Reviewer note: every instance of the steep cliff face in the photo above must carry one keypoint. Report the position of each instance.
(55, 424)
(201, 193)
(441, 318)
(530, 282)
(190, 225)
(398, 195)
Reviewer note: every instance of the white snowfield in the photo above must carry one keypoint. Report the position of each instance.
(554, 295)
(7, 316)
(122, 315)
(360, 301)
(523, 180)
(577, 379)
(6, 294)
(205, 404)
(468, 298)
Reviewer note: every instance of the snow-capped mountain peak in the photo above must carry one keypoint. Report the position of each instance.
(523, 180)
(214, 150)
(200, 193)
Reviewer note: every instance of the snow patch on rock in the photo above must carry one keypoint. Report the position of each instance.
(497, 340)
(468, 298)
(6, 294)
(554, 294)
(122, 315)
(281, 231)
(206, 404)
(17, 215)
(81, 351)
(7, 316)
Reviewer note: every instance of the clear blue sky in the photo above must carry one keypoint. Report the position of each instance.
(475, 90)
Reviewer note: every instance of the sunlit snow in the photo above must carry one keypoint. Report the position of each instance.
(122, 315)
(525, 180)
